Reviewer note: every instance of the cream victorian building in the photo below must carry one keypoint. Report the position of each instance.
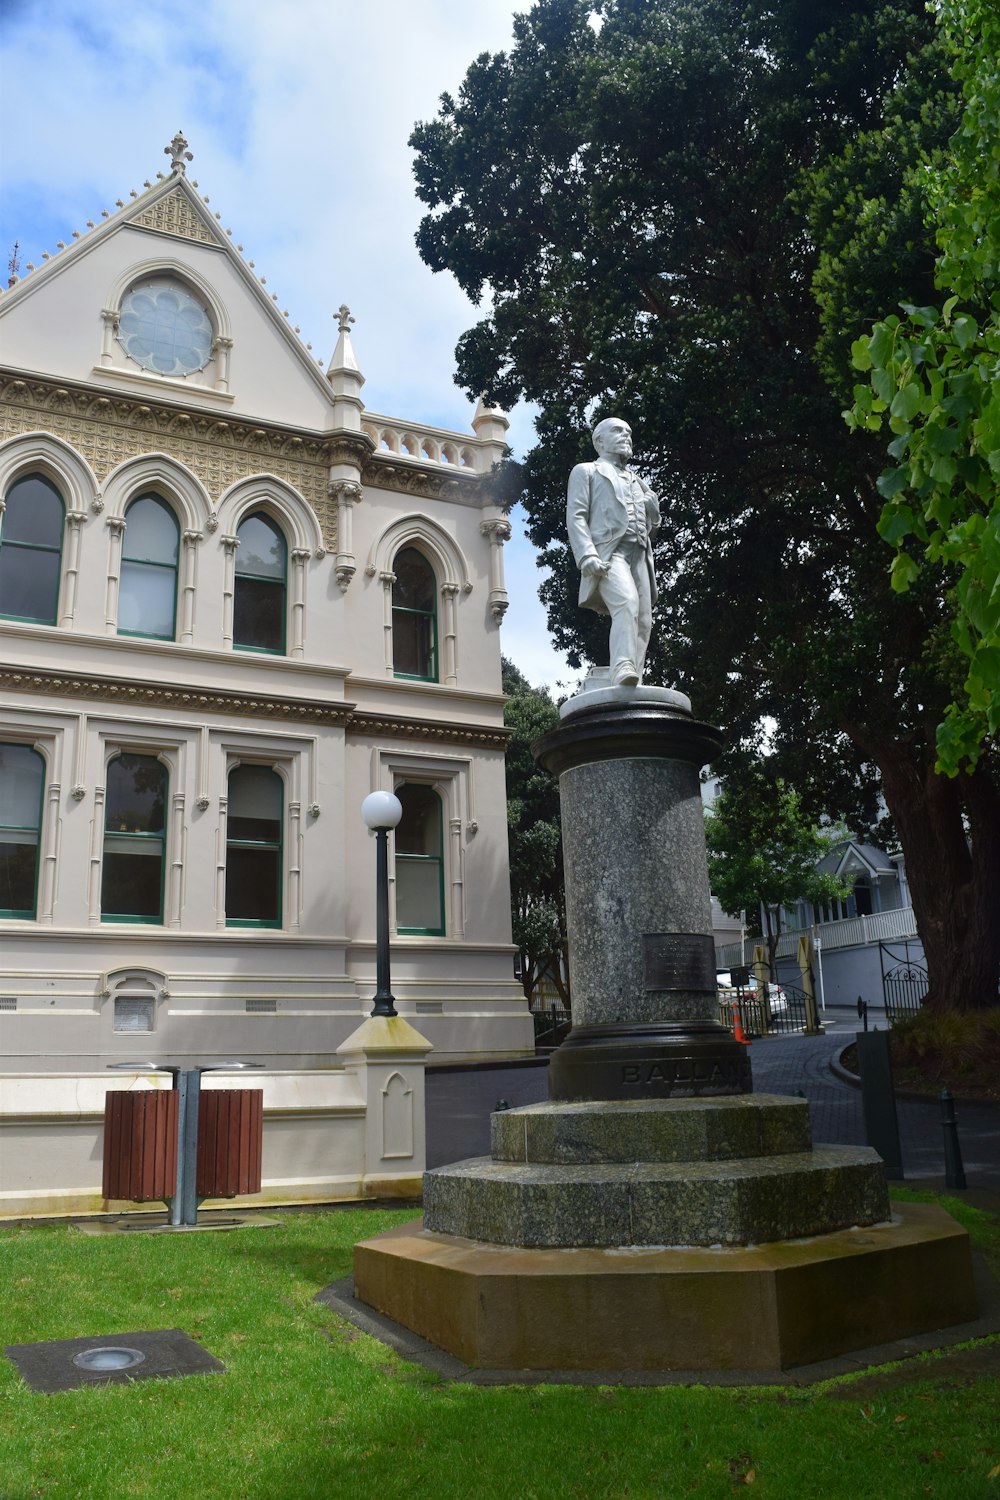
(232, 603)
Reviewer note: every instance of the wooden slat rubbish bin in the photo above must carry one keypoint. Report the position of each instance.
(230, 1141)
(140, 1145)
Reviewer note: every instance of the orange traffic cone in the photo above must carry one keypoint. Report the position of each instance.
(738, 1031)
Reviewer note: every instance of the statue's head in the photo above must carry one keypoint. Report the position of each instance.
(613, 438)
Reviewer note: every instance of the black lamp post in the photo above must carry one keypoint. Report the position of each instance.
(382, 811)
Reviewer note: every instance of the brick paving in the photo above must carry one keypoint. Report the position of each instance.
(460, 1100)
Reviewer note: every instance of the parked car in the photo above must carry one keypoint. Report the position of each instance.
(729, 992)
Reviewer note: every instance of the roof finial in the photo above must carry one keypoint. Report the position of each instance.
(14, 264)
(178, 153)
(344, 319)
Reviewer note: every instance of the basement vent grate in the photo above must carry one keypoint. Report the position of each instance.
(262, 1007)
(8, 1002)
(430, 1007)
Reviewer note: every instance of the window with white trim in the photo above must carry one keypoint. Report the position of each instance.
(31, 538)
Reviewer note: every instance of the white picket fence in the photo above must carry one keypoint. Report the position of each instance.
(852, 932)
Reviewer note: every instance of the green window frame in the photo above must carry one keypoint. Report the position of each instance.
(22, 787)
(419, 862)
(414, 617)
(147, 585)
(31, 539)
(260, 587)
(135, 839)
(255, 858)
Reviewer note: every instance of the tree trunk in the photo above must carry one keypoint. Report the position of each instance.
(949, 830)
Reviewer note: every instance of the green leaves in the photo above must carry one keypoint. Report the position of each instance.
(906, 402)
(944, 491)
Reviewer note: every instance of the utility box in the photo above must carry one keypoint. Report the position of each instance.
(230, 1142)
(140, 1145)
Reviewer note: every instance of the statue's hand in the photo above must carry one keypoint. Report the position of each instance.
(592, 566)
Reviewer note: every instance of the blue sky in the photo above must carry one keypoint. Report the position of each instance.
(298, 116)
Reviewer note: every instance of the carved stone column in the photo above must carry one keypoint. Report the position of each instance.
(498, 530)
(387, 580)
(449, 654)
(222, 349)
(172, 915)
(220, 853)
(47, 882)
(116, 526)
(347, 493)
(457, 928)
(300, 556)
(189, 584)
(74, 522)
(230, 544)
(96, 852)
(293, 915)
(109, 317)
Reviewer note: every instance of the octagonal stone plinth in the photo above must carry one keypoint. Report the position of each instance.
(734, 1202)
(651, 1130)
(768, 1308)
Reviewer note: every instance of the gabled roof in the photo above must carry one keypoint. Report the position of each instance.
(174, 208)
(851, 855)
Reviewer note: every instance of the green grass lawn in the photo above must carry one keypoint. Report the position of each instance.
(308, 1407)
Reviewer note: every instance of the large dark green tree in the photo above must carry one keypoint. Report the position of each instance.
(538, 904)
(639, 191)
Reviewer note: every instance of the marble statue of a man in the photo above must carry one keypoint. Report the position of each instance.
(611, 517)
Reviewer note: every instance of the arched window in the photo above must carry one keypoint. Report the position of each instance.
(147, 592)
(31, 532)
(259, 592)
(22, 777)
(253, 847)
(134, 839)
(419, 862)
(414, 617)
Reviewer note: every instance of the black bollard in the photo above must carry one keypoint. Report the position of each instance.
(500, 1104)
(954, 1172)
(863, 1011)
(878, 1100)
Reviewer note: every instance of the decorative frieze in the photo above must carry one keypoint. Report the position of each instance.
(174, 214)
(108, 430)
(390, 726)
(121, 691)
(116, 691)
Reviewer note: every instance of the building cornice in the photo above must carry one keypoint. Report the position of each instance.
(429, 731)
(116, 691)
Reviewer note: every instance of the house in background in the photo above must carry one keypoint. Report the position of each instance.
(233, 602)
(859, 941)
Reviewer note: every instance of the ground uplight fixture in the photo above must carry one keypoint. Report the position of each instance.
(108, 1358)
(382, 811)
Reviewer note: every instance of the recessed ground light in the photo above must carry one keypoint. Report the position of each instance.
(108, 1358)
(111, 1359)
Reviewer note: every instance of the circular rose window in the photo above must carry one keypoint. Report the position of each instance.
(164, 329)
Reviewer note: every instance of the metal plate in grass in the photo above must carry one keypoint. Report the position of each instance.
(111, 1359)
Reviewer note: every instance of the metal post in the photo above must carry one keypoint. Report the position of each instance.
(878, 1100)
(954, 1172)
(863, 1011)
(385, 1001)
(184, 1205)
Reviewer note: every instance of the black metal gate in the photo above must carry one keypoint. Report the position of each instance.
(904, 981)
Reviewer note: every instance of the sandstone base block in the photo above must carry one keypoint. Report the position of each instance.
(769, 1307)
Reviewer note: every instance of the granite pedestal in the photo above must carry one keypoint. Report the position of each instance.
(656, 1214)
